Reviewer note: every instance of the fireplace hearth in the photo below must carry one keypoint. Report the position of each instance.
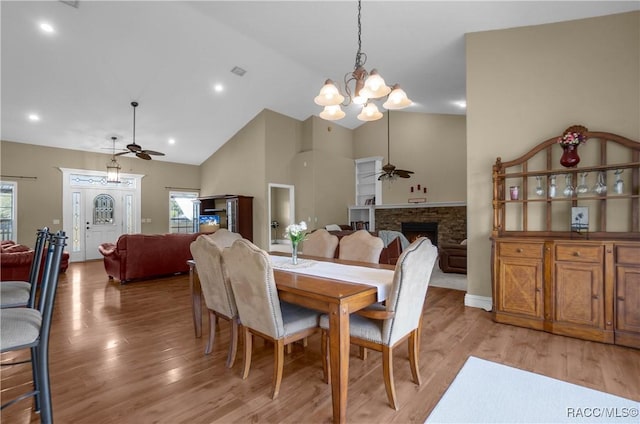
(413, 230)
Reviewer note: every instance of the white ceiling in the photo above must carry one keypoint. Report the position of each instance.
(168, 55)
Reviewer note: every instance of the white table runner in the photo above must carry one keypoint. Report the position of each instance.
(380, 278)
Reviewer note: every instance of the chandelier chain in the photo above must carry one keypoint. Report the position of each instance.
(359, 54)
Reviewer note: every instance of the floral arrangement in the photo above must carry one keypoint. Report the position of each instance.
(296, 232)
(574, 135)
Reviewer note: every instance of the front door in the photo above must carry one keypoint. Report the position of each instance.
(103, 213)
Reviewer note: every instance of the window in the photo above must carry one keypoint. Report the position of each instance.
(181, 211)
(8, 216)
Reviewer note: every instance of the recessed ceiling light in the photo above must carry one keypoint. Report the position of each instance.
(46, 27)
(33, 117)
(218, 88)
(172, 141)
(460, 103)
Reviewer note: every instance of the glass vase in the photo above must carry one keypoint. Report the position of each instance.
(294, 253)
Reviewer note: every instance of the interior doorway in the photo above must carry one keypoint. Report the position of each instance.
(95, 211)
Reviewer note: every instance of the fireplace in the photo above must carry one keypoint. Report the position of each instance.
(413, 230)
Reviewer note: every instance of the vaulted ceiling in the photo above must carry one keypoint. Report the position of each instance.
(169, 55)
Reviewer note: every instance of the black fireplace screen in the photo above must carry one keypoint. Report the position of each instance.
(413, 230)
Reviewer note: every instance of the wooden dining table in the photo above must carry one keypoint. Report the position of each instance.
(335, 297)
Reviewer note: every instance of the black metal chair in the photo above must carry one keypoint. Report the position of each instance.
(22, 328)
(15, 294)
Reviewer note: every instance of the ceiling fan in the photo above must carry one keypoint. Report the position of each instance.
(136, 148)
(389, 171)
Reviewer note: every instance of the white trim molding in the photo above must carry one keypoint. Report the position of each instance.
(420, 205)
(482, 302)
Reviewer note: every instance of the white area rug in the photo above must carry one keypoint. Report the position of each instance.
(487, 392)
(447, 280)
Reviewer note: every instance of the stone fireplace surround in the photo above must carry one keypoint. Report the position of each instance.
(451, 220)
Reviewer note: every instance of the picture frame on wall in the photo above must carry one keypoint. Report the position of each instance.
(579, 218)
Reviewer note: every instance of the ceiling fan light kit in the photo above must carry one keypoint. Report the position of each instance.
(369, 86)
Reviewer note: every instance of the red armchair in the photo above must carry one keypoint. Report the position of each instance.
(140, 256)
(15, 260)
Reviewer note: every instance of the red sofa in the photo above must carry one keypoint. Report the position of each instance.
(140, 256)
(15, 261)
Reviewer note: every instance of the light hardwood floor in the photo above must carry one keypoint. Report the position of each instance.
(127, 354)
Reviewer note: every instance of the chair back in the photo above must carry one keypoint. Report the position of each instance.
(223, 238)
(361, 246)
(49, 284)
(34, 272)
(320, 243)
(409, 289)
(254, 288)
(214, 281)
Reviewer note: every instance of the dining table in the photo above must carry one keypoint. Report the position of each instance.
(336, 292)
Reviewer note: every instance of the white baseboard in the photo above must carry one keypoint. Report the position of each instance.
(474, 301)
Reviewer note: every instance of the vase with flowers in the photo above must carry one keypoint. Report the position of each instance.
(569, 141)
(296, 233)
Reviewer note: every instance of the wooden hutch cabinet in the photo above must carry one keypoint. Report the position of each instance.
(566, 242)
(235, 212)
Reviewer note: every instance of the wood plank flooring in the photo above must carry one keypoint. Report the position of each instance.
(127, 354)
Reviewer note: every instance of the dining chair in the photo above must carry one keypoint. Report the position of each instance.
(22, 328)
(261, 311)
(361, 246)
(383, 327)
(218, 296)
(14, 294)
(320, 243)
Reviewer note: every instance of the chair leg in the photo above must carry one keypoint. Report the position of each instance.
(42, 364)
(36, 378)
(363, 353)
(414, 350)
(278, 365)
(213, 319)
(248, 342)
(325, 360)
(233, 344)
(289, 348)
(387, 370)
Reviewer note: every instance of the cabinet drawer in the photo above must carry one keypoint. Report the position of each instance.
(579, 253)
(629, 255)
(521, 250)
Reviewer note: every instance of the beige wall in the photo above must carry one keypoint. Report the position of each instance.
(40, 199)
(433, 146)
(525, 85)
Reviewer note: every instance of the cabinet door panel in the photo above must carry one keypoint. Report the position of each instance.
(579, 296)
(628, 299)
(520, 287)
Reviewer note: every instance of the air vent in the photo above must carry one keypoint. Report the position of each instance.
(238, 71)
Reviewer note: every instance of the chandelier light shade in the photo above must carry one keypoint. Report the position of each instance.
(113, 167)
(367, 87)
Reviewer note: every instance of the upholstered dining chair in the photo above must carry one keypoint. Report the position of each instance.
(383, 327)
(28, 328)
(216, 288)
(361, 246)
(261, 311)
(15, 294)
(320, 243)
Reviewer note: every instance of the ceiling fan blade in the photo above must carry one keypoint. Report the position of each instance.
(143, 155)
(403, 175)
(123, 153)
(152, 152)
(404, 171)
